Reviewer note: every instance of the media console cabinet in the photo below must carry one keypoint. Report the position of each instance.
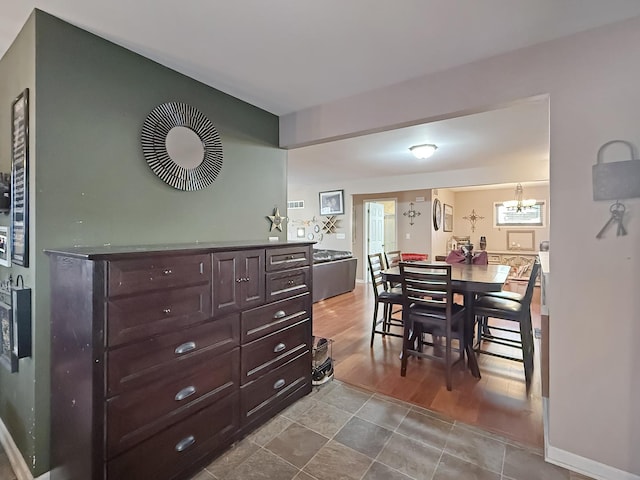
(163, 356)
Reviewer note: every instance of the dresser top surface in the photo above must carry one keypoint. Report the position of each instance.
(121, 251)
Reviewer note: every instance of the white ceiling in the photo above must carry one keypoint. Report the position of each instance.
(518, 134)
(287, 55)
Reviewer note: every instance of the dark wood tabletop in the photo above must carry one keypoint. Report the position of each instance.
(466, 278)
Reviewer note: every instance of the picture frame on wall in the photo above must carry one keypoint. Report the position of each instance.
(447, 224)
(332, 202)
(5, 247)
(20, 180)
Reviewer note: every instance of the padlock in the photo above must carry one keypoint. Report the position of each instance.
(616, 180)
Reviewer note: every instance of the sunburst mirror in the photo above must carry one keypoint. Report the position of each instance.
(181, 146)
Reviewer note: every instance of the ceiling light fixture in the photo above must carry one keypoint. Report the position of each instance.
(519, 203)
(423, 151)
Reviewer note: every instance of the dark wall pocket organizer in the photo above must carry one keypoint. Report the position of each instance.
(15, 321)
(616, 180)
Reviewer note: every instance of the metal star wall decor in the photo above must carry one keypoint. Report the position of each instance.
(411, 213)
(473, 217)
(276, 220)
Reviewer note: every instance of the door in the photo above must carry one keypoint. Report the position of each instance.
(374, 230)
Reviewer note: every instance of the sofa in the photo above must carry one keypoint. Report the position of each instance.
(334, 273)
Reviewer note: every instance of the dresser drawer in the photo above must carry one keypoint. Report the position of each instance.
(141, 275)
(177, 448)
(264, 320)
(268, 353)
(269, 394)
(141, 316)
(138, 364)
(287, 283)
(287, 257)
(137, 415)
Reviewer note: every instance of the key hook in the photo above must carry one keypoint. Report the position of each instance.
(617, 207)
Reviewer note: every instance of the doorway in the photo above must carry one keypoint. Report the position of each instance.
(380, 229)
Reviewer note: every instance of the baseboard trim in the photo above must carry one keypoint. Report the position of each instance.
(15, 457)
(577, 463)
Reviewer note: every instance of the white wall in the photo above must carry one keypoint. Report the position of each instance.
(482, 201)
(593, 82)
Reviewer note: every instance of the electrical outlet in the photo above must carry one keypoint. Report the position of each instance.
(407, 236)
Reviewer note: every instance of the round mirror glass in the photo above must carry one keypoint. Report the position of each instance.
(185, 147)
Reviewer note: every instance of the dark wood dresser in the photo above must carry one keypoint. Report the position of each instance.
(162, 356)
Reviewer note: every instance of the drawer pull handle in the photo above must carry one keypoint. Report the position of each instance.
(166, 310)
(238, 280)
(279, 314)
(167, 271)
(279, 347)
(185, 392)
(279, 384)
(290, 282)
(185, 443)
(185, 347)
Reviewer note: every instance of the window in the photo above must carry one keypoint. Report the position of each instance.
(527, 217)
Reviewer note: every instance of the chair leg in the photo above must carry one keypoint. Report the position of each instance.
(375, 321)
(526, 336)
(407, 329)
(447, 359)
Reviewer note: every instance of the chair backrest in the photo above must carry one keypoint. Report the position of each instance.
(427, 286)
(392, 258)
(416, 257)
(376, 266)
(528, 294)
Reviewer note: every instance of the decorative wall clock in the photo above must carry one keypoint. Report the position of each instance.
(437, 214)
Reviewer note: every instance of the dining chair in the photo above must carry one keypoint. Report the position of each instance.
(414, 257)
(392, 258)
(385, 296)
(510, 307)
(429, 308)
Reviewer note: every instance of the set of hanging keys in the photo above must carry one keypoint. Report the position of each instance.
(617, 214)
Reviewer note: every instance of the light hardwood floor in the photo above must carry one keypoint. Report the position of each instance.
(498, 402)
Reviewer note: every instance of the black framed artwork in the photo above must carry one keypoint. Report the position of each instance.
(332, 203)
(437, 214)
(20, 179)
(448, 218)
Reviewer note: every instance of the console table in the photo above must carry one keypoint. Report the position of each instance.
(162, 356)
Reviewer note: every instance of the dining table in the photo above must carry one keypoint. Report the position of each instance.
(468, 280)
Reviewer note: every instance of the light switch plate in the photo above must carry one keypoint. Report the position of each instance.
(340, 236)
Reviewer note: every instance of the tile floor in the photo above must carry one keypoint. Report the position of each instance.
(340, 432)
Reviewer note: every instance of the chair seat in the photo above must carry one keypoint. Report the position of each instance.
(436, 314)
(485, 305)
(507, 295)
(393, 295)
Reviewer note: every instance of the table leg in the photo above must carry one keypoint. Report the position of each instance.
(469, 298)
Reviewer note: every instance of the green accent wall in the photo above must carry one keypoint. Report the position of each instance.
(18, 390)
(90, 184)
